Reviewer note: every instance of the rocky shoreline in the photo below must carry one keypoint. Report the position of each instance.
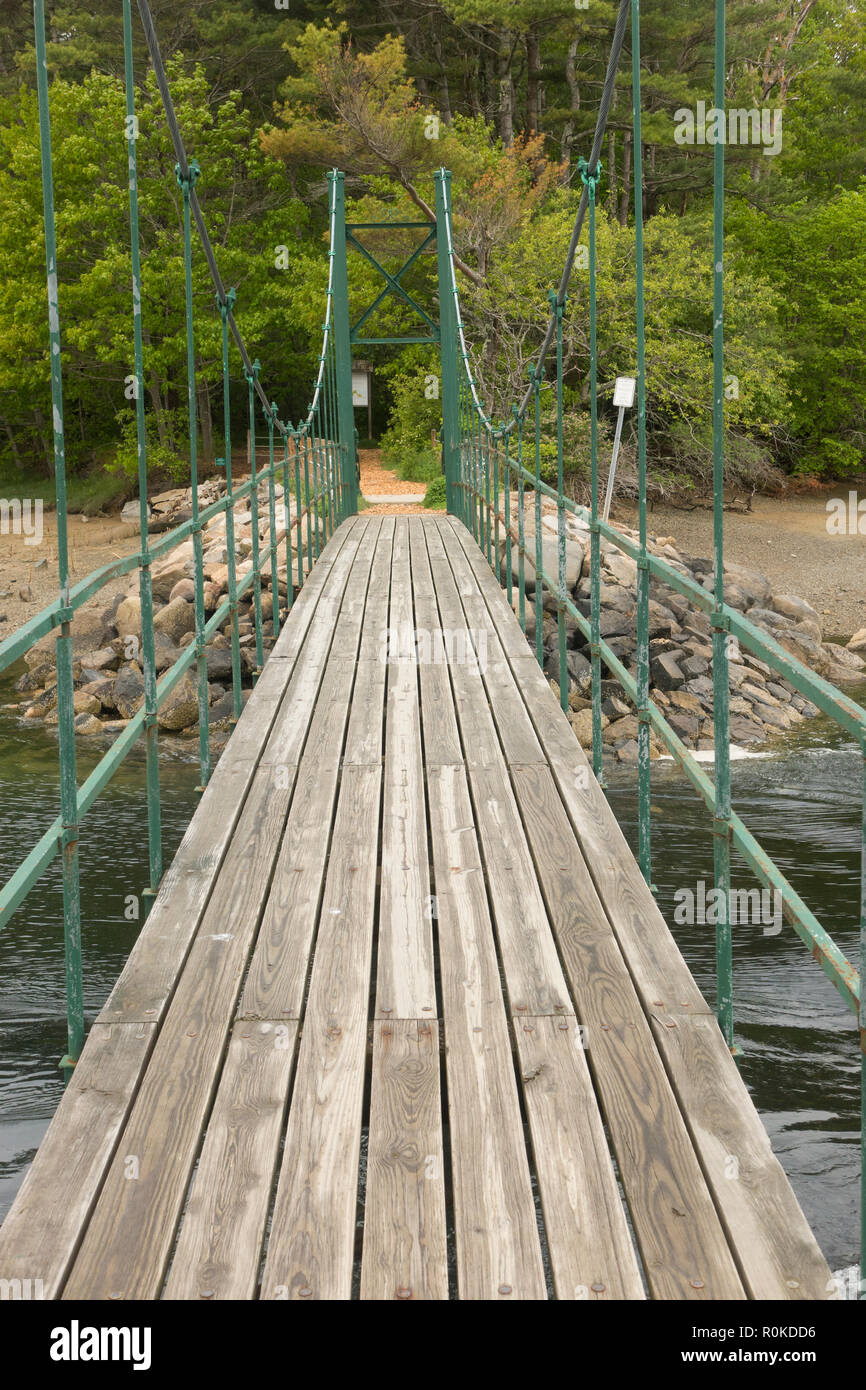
(762, 704)
(109, 679)
(106, 644)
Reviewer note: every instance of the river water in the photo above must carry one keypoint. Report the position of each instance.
(800, 1057)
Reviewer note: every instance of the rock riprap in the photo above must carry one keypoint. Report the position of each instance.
(762, 703)
(107, 643)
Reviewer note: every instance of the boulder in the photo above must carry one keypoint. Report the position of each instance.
(219, 663)
(128, 693)
(176, 619)
(796, 608)
(755, 585)
(180, 709)
(128, 617)
(666, 671)
(84, 703)
(168, 571)
(88, 724)
(185, 589)
(858, 641)
(845, 656)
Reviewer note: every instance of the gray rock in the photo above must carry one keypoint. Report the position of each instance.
(792, 607)
(219, 664)
(666, 672)
(180, 710)
(176, 619)
(128, 693)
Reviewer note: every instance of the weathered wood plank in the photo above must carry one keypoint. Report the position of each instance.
(774, 1245)
(591, 1252)
(405, 985)
(218, 1250)
(312, 1237)
(130, 1234)
(274, 987)
(532, 970)
(404, 1251)
(42, 1231)
(654, 960)
(684, 1249)
(498, 1250)
(439, 721)
(291, 639)
(519, 741)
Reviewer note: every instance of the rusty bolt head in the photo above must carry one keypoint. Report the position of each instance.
(404, 1293)
(697, 1283)
(505, 1288)
(305, 1292)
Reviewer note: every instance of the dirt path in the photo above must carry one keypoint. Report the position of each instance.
(379, 481)
(788, 541)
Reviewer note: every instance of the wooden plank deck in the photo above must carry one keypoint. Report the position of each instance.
(404, 1021)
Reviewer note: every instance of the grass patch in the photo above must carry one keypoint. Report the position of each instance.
(434, 498)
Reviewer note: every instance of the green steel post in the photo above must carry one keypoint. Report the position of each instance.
(644, 808)
(559, 310)
(272, 518)
(299, 521)
(721, 721)
(252, 377)
(290, 586)
(308, 445)
(225, 309)
(447, 340)
(521, 529)
(317, 471)
(539, 553)
(343, 342)
(186, 184)
(495, 561)
(590, 178)
(861, 1018)
(65, 686)
(509, 577)
(488, 488)
(151, 736)
(334, 469)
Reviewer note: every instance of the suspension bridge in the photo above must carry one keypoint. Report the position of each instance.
(404, 1020)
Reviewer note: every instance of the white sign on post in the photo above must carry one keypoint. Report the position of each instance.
(623, 392)
(360, 388)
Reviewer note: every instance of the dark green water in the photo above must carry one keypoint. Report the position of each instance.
(800, 1051)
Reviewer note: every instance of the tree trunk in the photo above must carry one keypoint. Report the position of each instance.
(612, 195)
(506, 89)
(533, 82)
(573, 104)
(626, 179)
(206, 417)
(13, 446)
(444, 92)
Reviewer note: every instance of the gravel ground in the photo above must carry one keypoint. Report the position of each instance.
(788, 541)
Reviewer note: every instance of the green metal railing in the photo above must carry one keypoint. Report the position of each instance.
(485, 465)
(317, 466)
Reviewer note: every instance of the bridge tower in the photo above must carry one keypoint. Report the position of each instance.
(348, 334)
